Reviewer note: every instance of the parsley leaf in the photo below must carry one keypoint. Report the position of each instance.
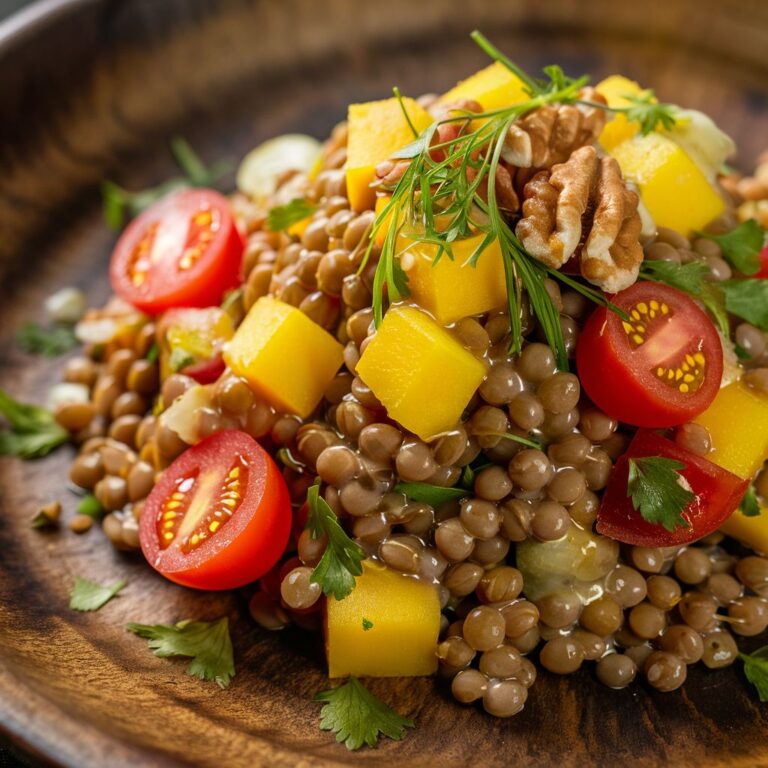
(91, 506)
(284, 216)
(748, 299)
(90, 596)
(357, 717)
(367, 624)
(645, 110)
(207, 643)
(434, 495)
(741, 246)
(50, 342)
(656, 491)
(689, 278)
(750, 506)
(756, 670)
(342, 560)
(180, 359)
(33, 431)
(153, 353)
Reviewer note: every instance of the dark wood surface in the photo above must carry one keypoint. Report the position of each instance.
(96, 91)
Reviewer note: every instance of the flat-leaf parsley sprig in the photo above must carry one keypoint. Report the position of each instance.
(658, 490)
(342, 560)
(448, 193)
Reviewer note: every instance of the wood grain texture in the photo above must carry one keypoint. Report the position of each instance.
(97, 92)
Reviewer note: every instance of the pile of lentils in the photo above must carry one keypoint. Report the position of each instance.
(645, 611)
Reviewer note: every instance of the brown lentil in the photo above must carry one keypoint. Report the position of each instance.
(684, 642)
(692, 566)
(561, 655)
(81, 524)
(719, 649)
(603, 616)
(663, 591)
(616, 670)
(665, 671)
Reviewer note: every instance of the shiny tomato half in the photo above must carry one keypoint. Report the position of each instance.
(763, 271)
(659, 368)
(220, 516)
(718, 494)
(184, 251)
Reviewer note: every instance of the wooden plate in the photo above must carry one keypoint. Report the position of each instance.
(94, 89)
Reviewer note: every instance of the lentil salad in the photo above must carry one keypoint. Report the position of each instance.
(485, 516)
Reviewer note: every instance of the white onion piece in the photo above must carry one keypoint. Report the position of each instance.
(702, 141)
(67, 392)
(180, 416)
(67, 305)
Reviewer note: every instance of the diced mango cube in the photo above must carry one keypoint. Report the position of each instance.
(674, 190)
(752, 531)
(386, 627)
(615, 88)
(737, 422)
(420, 373)
(452, 289)
(284, 356)
(494, 87)
(377, 129)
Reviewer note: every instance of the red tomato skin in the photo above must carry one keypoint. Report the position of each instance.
(249, 544)
(217, 272)
(718, 494)
(763, 272)
(206, 371)
(603, 359)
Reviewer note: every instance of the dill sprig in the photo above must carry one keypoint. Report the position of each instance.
(439, 200)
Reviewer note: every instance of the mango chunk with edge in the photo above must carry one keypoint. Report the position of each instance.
(494, 87)
(284, 356)
(737, 422)
(615, 88)
(674, 190)
(452, 289)
(399, 637)
(377, 129)
(420, 373)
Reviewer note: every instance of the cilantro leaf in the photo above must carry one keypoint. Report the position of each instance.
(342, 560)
(689, 278)
(153, 353)
(756, 670)
(748, 299)
(49, 342)
(91, 506)
(741, 246)
(284, 216)
(750, 506)
(654, 485)
(434, 495)
(367, 624)
(90, 596)
(180, 359)
(207, 643)
(357, 717)
(33, 431)
(649, 113)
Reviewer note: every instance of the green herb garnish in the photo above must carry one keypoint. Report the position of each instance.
(32, 431)
(180, 359)
(207, 643)
(91, 506)
(647, 112)
(284, 216)
(750, 507)
(741, 246)
(153, 353)
(90, 596)
(342, 560)
(748, 299)
(50, 342)
(120, 204)
(357, 717)
(434, 495)
(459, 190)
(756, 670)
(367, 624)
(655, 486)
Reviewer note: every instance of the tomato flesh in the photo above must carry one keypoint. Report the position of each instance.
(718, 494)
(220, 516)
(659, 368)
(763, 271)
(184, 251)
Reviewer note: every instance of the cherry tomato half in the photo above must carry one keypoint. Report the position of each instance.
(660, 368)
(220, 516)
(184, 251)
(763, 271)
(718, 494)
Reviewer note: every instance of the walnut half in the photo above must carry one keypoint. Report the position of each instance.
(583, 205)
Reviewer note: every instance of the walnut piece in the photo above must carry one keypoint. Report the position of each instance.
(583, 206)
(550, 134)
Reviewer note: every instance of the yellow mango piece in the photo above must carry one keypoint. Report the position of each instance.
(381, 203)
(452, 289)
(402, 616)
(752, 531)
(618, 128)
(494, 87)
(284, 356)
(420, 373)
(674, 190)
(377, 129)
(737, 422)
